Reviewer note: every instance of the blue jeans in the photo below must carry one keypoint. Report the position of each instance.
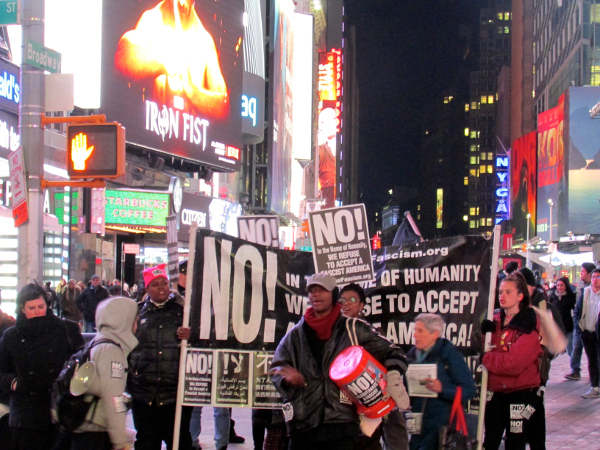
(221, 416)
(89, 326)
(577, 350)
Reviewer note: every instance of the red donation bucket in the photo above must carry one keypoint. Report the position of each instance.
(363, 379)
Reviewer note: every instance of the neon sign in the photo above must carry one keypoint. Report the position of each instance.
(502, 192)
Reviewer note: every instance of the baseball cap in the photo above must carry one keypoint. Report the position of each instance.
(322, 279)
(153, 273)
(183, 267)
(95, 276)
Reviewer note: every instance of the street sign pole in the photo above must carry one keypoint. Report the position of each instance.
(31, 109)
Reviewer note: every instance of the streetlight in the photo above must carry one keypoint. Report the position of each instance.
(527, 261)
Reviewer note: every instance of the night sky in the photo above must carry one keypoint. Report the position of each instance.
(407, 54)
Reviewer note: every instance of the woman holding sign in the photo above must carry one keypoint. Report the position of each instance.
(451, 372)
(513, 366)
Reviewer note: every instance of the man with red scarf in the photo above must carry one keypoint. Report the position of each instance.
(317, 414)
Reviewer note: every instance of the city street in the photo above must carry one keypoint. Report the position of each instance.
(572, 422)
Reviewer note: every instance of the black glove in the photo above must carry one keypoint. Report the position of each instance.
(487, 326)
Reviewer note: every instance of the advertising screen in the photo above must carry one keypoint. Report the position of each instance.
(523, 184)
(551, 182)
(282, 120)
(172, 74)
(583, 137)
(136, 208)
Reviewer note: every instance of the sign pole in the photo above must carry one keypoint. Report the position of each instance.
(31, 109)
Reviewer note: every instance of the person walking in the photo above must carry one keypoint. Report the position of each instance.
(589, 326)
(452, 372)
(513, 366)
(88, 302)
(32, 354)
(393, 428)
(67, 302)
(105, 427)
(584, 281)
(154, 366)
(563, 298)
(317, 415)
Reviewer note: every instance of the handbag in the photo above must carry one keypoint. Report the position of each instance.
(455, 436)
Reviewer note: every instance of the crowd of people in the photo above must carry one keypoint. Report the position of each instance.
(138, 350)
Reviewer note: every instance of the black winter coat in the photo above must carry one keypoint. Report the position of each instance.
(565, 305)
(154, 363)
(88, 301)
(33, 352)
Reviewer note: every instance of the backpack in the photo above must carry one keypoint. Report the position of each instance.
(69, 411)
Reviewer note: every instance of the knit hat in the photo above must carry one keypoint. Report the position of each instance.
(589, 267)
(153, 273)
(528, 275)
(322, 279)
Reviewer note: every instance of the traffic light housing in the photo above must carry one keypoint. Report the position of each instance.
(95, 150)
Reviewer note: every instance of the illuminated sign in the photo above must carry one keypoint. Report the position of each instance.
(502, 192)
(326, 84)
(95, 150)
(175, 83)
(136, 208)
(10, 89)
(249, 108)
(439, 210)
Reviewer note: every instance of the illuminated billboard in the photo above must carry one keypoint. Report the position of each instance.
(524, 185)
(329, 114)
(281, 126)
(583, 137)
(502, 211)
(551, 182)
(172, 74)
(136, 208)
(439, 208)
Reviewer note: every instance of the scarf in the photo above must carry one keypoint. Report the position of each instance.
(323, 326)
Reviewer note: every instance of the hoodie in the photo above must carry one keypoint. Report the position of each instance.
(114, 318)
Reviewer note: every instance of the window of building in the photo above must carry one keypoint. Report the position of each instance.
(471, 224)
(507, 16)
(474, 134)
(483, 156)
(474, 173)
(466, 181)
(489, 221)
(482, 169)
(490, 99)
(466, 132)
(473, 105)
(466, 107)
(483, 99)
(472, 211)
(474, 147)
(474, 160)
(506, 30)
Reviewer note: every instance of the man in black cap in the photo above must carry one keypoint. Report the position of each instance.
(88, 302)
(584, 281)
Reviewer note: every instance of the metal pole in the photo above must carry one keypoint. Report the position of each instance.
(528, 262)
(30, 234)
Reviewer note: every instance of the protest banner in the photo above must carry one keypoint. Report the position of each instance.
(245, 297)
(341, 244)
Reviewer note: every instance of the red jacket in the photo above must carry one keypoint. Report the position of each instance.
(513, 362)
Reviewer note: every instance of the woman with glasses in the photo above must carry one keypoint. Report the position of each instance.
(393, 430)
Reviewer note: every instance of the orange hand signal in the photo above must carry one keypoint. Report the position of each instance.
(79, 151)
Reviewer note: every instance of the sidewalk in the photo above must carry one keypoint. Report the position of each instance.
(572, 422)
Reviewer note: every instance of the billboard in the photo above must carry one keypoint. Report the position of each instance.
(136, 208)
(281, 124)
(551, 181)
(582, 135)
(172, 74)
(523, 182)
(329, 113)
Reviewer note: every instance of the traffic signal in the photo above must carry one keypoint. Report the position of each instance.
(95, 150)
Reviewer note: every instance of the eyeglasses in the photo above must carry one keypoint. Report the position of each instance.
(350, 300)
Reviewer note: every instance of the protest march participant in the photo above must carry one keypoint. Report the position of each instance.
(513, 366)
(452, 373)
(317, 415)
(353, 300)
(105, 427)
(154, 365)
(32, 354)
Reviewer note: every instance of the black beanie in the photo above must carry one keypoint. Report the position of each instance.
(528, 275)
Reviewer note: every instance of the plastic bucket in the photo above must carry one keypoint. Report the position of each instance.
(363, 379)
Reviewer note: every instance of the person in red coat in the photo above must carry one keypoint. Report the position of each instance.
(513, 366)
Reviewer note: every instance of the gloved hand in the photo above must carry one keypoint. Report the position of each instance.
(395, 388)
(487, 326)
(368, 426)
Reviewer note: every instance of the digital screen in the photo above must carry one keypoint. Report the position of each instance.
(136, 208)
(172, 74)
(523, 184)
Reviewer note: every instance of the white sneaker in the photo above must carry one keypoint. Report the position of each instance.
(594, 392)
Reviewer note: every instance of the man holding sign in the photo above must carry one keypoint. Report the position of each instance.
(318, 415)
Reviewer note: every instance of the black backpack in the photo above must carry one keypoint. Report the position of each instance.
(69, 411)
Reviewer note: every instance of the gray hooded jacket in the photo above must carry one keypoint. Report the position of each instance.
(114, 319)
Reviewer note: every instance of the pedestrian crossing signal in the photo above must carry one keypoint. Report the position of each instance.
(95, 150)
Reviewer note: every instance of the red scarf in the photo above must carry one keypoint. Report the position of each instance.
(323, 326)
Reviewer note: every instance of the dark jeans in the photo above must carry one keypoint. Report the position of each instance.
(504, 413)
(27, 439)
(577, 350)
(155, 424)
(591, 345)
(86, 441)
